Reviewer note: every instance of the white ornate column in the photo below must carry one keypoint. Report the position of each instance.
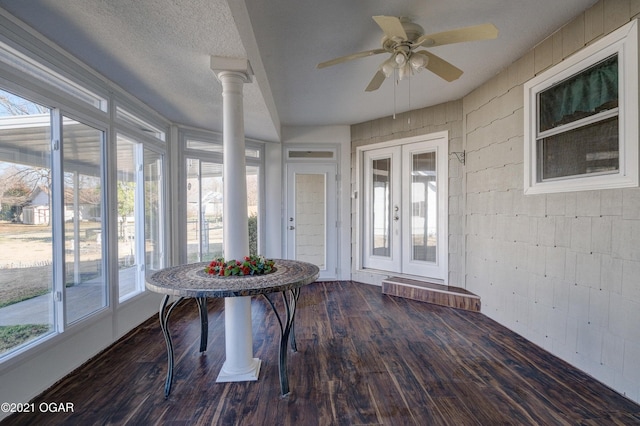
(240, 365)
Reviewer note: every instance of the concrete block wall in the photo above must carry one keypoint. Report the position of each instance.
(444, 117)
(562, 270)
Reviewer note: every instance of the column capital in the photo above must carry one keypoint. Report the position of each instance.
(236, 66)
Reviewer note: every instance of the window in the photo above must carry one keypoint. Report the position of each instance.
(56, 160)
(51, 222)
(204, 210)
(26, 234)
(581, 127)
(153, 217)
(38, 71)
(203, 195)
(205, 207)
(130, 277)
(85, 285)
(140, 196)
(139, 125)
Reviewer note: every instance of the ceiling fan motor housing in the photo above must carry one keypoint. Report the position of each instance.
(412, 30)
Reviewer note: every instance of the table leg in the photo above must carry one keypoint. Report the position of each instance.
(204, 322)
(290, 299)
(164, 325)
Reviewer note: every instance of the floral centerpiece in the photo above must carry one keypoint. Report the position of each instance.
(251, 265)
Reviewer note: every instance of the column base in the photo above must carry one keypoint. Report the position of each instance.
(248, 375)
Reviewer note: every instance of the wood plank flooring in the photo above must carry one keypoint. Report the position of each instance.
(363, 358)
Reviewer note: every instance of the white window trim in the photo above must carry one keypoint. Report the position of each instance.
(624, 42)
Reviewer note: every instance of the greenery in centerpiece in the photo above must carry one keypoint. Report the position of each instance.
(251, 265)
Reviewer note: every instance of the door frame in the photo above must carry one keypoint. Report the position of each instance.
(330, 170)
(441, 140)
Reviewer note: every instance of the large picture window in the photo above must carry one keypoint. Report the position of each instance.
(53, 175)
(26, 232)
(581, 129)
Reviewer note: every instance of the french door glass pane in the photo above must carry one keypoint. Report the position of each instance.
(128, 283)
(310, 218)
(26, 238)
(424, 207)
(381, 207)
(82, 166)
(153, 218)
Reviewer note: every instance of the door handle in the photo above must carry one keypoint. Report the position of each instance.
(291, 227)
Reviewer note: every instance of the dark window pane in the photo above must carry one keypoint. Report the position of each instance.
(592, 91)
(586, 150)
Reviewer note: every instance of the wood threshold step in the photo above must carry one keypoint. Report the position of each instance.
(437, 294)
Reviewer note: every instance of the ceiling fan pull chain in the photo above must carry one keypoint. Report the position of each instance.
(395, 75)
(409, 84)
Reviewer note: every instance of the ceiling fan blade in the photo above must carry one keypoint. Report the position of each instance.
(376, 82)
(391, 26)
(440, 67)
(350, 57)
(473, 33)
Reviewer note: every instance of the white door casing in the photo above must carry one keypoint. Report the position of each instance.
(404, 210)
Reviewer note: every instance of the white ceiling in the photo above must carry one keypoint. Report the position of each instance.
(159, 51)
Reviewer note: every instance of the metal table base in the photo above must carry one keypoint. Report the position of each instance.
(286, 323)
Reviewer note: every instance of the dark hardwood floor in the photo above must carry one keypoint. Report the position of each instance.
(363, 359)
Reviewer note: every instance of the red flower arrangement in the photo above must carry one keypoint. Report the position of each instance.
(251, 265)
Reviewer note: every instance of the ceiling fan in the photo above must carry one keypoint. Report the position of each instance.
(402, 38)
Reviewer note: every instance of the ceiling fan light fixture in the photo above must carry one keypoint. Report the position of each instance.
(400, 58)
(418, 61)
(388, 66)
(404, 71)
(402, 37)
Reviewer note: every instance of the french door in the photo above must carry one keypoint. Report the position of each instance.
(405, 208)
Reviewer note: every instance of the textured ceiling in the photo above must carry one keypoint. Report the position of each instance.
(159, 51)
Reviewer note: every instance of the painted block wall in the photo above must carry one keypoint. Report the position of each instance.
(562, 270)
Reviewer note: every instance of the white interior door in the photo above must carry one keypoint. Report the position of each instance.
(311, 216)
(405, 208)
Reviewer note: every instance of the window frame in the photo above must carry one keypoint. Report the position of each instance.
(254, 157)
(74, 93)
(624, 43)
